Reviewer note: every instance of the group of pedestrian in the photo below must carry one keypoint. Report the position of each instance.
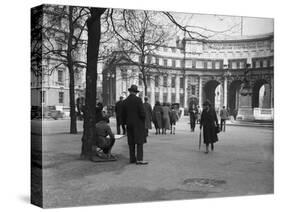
(135, 118)
(164, 118)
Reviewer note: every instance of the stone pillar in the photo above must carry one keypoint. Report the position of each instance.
(152, 97)
(185, 90)
(225, 92)
(177, 88)
(118, 84)
(169, 88)
(272, 92)
(200, 91)
(161, 88)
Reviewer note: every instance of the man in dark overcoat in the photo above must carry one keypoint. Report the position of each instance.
(118, 113)
(134, 117)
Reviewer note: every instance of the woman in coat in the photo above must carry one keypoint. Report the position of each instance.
(209, 122)
(165, 118)
(157, 117)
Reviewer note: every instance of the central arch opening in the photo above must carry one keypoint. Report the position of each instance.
(213, 91)
(261, 95)
(233, 96)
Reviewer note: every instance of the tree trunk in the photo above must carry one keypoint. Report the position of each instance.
(88, 150)
(73, 126)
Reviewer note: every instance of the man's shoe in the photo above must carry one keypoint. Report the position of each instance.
(141, 162)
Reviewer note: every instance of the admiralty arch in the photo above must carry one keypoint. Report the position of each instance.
(235, 73)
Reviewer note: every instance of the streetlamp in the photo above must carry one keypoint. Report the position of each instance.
(246, 87)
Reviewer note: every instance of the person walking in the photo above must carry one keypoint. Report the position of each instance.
(133, 116)
(223, 115)
(209, 122)
(174, 117)
(192, 115)
(165, 118)
(118, 112)
(157, 117)
(148, 115)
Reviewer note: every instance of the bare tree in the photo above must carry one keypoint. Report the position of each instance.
(139, 34)
(88, 150)
(63, 43)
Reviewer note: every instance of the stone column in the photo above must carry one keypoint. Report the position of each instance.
(225, 92)
(118, 84)
(161, 88)
(169, 89)
(177, 88)
(200, 91)
(152, 97)
(185, 91)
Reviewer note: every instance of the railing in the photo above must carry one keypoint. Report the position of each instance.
(264, 113)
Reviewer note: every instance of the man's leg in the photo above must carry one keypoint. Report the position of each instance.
(139, 152)
(224, 124)
(118, 125)
(132, 153)
(221, 124)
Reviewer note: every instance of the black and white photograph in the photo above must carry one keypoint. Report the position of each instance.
(140, 105)
(131, 106)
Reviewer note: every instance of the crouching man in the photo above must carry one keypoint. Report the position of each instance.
(106, 138)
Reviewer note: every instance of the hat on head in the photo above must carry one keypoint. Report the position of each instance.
(134, 88)
(207, 102)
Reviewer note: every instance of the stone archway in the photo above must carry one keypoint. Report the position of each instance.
(210, 92)
(261, 94)
(233, 96)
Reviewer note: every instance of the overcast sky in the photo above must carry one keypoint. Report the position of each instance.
(251, 26)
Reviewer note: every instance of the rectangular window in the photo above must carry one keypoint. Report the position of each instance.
(156, 81)
(181, 99)
(257, 64)
(181, 82)
(209, 65)
(148, 59)
(157, 61)
(173, 98)
(165, 62)
(173, 63)
(218, 65)
(193, 89)
(242, 64)
(61, 97)
(173, 82)
(165, 79)
(174, 49)
(199, 64)
(165, 97)
(234, 65)
(188, 63)
(60, 76)
(156, 96)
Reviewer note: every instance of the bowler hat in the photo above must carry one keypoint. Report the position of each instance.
(134, 88)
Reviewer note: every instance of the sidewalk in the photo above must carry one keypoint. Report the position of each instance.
(176, 169)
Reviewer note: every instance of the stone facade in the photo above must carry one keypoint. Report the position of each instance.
(213, 70)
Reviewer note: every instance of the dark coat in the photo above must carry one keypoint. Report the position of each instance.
(148, 115)
(209, 121)
(118, 108)
(157, 116)
(133, 116)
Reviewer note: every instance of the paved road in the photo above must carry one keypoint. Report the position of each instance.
(242, 164)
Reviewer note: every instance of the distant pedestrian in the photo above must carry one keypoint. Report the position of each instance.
(192, 116)
(199, 111)
(148, 115)
(134, 117)
(165, 118)
(157, 116)
(223, 116)
(209, 122)
(118, 113)
(174, 117)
